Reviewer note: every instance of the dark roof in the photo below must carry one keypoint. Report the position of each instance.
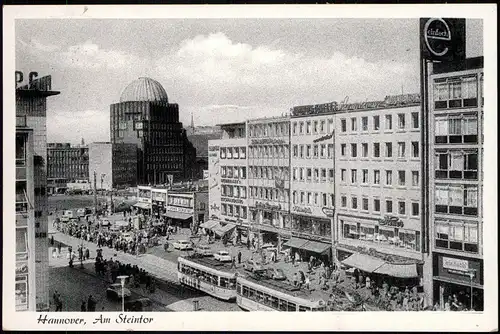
(200, 142)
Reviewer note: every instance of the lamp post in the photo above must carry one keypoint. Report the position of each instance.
(122, 281)
(471, 276)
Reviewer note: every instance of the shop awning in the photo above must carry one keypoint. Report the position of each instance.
(398, 270)
(209, 224)
(363, 262)
(221, 230)
(142, 205)
(178, 215)
(295, 243)
(316, 247)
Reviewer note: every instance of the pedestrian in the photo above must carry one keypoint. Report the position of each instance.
(52, 240)
(83, 308)
(293, 259)
(233, 262)
(239, 257)
(307, 282)
(58, 249)
(91, 304)
(356, 277)
(87, 253)
(295, 279)
(59, 304)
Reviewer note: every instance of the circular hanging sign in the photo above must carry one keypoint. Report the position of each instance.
(437, 36)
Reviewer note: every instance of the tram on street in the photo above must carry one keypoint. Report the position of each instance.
(253, 294)
(207, 275)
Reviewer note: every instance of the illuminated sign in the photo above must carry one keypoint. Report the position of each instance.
(267, 141)
(177, 209)
(455, 264)
(442, 39)
(231, 200)
(326, 137)
(40, 84)
(328, 211)
(391, 221)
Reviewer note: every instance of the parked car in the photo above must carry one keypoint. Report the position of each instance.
(183, 245)
(252, 265)
(223, 256)
(115, 291)
(275, 274)
(203, 250)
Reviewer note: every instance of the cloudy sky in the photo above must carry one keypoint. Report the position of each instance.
(219, 70)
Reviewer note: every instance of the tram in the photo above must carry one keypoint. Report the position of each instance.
(207, 275)
(253, 294)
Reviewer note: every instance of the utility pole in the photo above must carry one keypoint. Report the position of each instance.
(95, 194)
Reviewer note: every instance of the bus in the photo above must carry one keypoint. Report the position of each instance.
(207, 275)
(259, 294)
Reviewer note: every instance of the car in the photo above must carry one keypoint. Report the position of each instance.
(252, 265)
(114, 291)
(203, 250)
(183, 245)
(267, 245)
(223, 256)
(275, 274)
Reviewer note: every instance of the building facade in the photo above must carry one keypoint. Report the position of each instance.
(31, 107)
(145, 118)
(456, 181)
(67, 162)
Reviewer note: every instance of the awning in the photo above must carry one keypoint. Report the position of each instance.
(316, 247)
(209, 224)
(221, 230)
(142, 205)
(295, 243)
(363, 262)
(178, 215)
(398, 270)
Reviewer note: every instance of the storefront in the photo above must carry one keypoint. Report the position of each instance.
(305, 248)
(457, 277)
(179, 216)
(158, 203)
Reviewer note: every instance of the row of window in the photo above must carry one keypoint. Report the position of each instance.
(268, 130)
(375, 180)
(167, 166)
(269, 300)
(269, 151)
(313, 174)
(268, 172)
(456, 199)
(457, 92)
(456, 130)
(312, 127)
(388, 150)
(234, 172)
(233, 152)
(457, 236)
(269, 194)
(312, 226)
(313, 151)
(234, 210)
(382, 235)
(376, 206)
(207, 277)
(375, 123)
(456, 164)
(180, 201)
(313, 198)
(233, 191)
(166, 157)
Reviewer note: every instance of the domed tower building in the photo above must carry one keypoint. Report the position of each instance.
(145, 117)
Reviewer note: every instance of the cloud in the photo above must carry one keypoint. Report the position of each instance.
(92, 125)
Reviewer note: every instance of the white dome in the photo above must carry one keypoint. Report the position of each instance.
(144, 89)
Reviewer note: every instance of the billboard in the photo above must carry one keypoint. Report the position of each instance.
(442, 39)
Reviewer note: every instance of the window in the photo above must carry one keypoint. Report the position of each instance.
(401, 178)
(415, 210)
(315, 150)
(401, 121)
(376, 123)
(354, 150)
(343, 201)
(343, 125)
(401, 149)
(354, 124)
(388, 177)
(330, 151)
(365, 204)
(364, 123)
(402, 207)
(294, 128)
(323, 151)
(455, 92)
(414, 149)
(354, 175)
(301, 174)
(330, 125)
(376, 150)
(343, 174)
(376, 205)
(324, 200)
(376, 176)
(456, 165)
(457, 236)
(354, 202)
(388, 206)
(322, 126)
(229, 152)
(236, 154)
(365, 176)
(414, 120)
(315, 127)
(301, 126)
(364, 150)
(222, 153)
(330, 173)
(388, 150)
(309, 174)
(308, 151)
(456, 130)
(323, 174)
(308, 128)
(456, 199)
(343, 149)
(302, 151)
(414, 178)
(388, 122)
(295, 150)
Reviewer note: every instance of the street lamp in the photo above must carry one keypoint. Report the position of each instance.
(471, 275)
(122, 281)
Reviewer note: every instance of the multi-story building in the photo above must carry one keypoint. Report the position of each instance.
(456, 181)
(31, 106)
(228, 183)
(312, 183)
(115, 165)
(269, 178)
(25, 218)
(144, 117)
(67, 162)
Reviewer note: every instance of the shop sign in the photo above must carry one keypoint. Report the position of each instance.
(267, 141)
(268, 206)
(455, 264)
(328, 211)
(302, 209)
(391, 221)
(230, 181)
(178, 209)
(326, 137)
(231, 200)
(442, 39)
